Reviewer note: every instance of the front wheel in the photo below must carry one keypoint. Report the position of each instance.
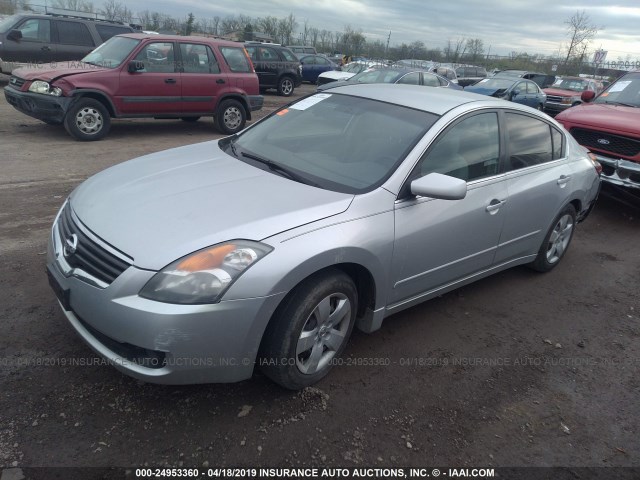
(285, 87)
(309, 330)
(87, 120)
(230, 117)
(557, 241)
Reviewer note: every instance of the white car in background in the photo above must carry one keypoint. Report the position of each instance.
(347, 71)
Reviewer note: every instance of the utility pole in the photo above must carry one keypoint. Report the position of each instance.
(388, 38)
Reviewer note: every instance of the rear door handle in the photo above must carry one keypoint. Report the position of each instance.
(170, 80)
(563, 180)
(220, 80)
(494, 206)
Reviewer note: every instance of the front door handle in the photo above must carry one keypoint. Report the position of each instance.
(220, 80)
(170, 80)
(494, 206)
(563, 180)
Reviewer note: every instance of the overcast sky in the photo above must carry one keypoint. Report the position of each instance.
(503, 25)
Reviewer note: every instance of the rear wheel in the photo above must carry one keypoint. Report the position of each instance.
(87, 120)
(309, 330)
(557, 241)
(285, 87)
(230, 117)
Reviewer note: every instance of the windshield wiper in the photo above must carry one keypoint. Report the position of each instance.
(275, 167)
(621, 103)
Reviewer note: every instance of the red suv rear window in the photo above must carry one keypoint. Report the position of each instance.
(236, 59)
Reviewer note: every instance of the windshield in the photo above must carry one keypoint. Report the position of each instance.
(497, 83)
(354, 67)
(112, 53)
(7, 23)
(337, 142)
(573, 84)
(625, 91)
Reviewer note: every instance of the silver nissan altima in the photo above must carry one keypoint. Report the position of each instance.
(266, 248)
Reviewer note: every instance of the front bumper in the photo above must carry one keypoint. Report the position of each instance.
(255, 102)
(37, 105)
(159, 342)
(619, 172)
(556, 107)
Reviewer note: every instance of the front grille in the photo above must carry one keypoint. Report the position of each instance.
(89, 256)
(16, 82)
(617, 144)
(554, 98)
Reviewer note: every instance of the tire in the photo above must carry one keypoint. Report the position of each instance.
(230, 117)
(540, 108)
(87, 120)
(190, 119)
(309, 330)
(557, 241)
(286, 86)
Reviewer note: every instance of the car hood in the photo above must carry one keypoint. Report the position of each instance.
(600, 116)
(50, 74)
(163, 206)
(561, 92)
(337, 75)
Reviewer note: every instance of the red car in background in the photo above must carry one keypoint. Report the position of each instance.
(566, 93)
(139, 75)
(609, 126)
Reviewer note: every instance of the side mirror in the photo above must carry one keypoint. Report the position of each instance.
(14, 35)
(437, 185)
(135, 66)
(515, 93)
(587, 96)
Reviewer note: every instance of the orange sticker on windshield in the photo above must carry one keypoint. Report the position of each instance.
(283, 112)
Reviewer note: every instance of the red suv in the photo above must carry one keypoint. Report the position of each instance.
(137, 75)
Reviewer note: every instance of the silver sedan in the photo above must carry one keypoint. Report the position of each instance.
(266, 248)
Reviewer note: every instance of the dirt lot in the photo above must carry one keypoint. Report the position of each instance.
(520, 369)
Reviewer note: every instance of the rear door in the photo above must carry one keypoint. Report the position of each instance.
(538, 179)
(201, 77)
(156, 88)
(73, 40)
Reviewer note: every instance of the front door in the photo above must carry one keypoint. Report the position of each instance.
(35, 46)
(156, 87)
(439, 242)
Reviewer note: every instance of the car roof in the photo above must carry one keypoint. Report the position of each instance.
(433, 100)
(173, 38)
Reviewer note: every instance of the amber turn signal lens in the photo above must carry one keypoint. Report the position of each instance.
(206, 260)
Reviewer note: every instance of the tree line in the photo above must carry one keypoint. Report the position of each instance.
(569, 58)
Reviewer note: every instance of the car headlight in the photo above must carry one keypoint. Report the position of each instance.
(39, 86)
(204, 276)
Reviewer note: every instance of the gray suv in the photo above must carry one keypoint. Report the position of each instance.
(277, 67)
(38, 39)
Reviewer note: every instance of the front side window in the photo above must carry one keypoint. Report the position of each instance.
(469, 150)
(157, 57)
(338, 142)
(532, 88)
(73, 33)
(529, 141)
(112, 53)
(36, 30)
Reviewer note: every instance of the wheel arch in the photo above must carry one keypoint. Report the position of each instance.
(96, 95)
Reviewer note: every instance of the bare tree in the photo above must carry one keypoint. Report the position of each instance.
(580, 32)
(475, 46)
(268, 25)
(77, 5)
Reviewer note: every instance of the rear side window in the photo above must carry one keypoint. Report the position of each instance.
(289, 57)
(197, 58)
(236, 59)
(108, 31)
(529, 141)
(73, 33)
